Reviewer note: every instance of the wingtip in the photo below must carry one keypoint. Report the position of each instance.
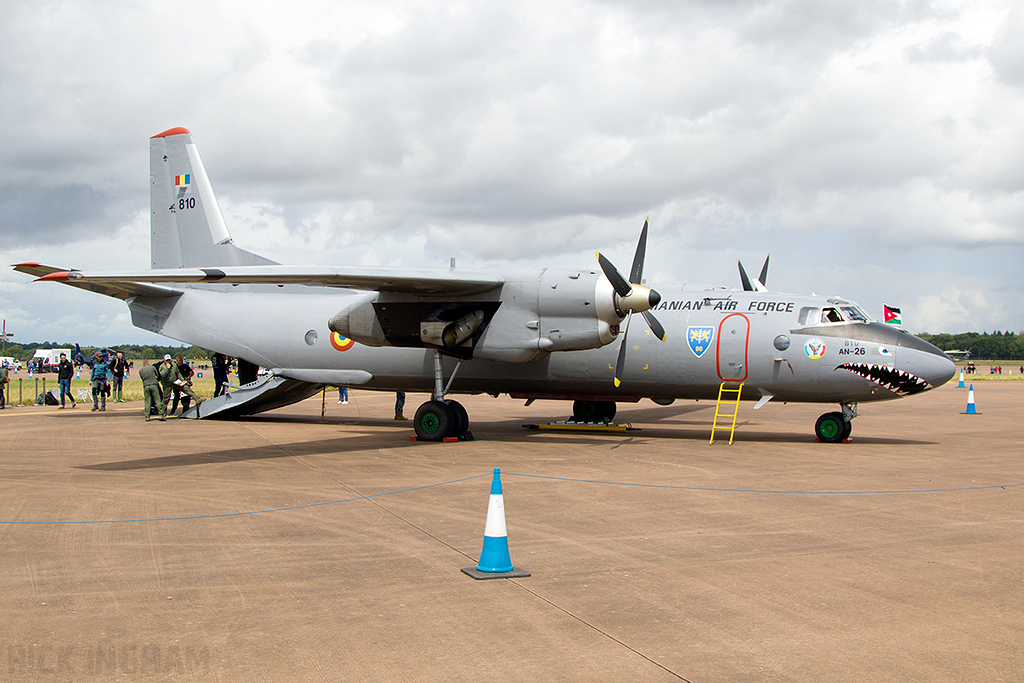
(59, 276)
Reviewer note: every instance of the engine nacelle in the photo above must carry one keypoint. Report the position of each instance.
(536, 312)
(577, 311)
(359, 323)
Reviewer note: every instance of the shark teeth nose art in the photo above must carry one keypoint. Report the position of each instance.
(897, 381)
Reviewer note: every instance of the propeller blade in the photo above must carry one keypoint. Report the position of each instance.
(655, 326)
(636, 274)
(620, 362)
(619, 284)
(747, 287)
(763, 279)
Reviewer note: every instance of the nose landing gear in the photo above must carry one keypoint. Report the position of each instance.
(836, 427)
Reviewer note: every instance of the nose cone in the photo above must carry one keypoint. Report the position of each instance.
(934, 367)
(654, 299)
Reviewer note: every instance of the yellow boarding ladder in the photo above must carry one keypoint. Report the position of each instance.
(723, 390)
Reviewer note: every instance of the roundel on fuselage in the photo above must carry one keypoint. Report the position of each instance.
(341, 343)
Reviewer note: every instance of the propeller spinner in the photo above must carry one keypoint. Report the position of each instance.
(632, 297)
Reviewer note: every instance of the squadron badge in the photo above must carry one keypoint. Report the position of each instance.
(699, 339)
(814, 348)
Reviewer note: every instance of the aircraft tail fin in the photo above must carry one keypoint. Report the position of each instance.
(187, 227)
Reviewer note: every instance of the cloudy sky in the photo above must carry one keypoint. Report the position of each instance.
(874, 148)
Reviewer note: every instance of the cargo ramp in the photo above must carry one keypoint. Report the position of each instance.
(276, 389)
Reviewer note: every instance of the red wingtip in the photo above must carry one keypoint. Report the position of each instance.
(27, 264)
(59, 276)
(173, 131)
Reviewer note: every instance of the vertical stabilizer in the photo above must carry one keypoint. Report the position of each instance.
(187, 227)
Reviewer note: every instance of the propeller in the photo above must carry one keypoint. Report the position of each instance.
(758, 285)
(632, 297)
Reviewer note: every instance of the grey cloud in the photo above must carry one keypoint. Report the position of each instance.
(1006, 53)
(39, 215)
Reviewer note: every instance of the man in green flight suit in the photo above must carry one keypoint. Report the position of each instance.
(151, 390)
(171, 377)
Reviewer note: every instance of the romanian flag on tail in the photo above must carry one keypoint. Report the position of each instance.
(891, 314)
(181, 180)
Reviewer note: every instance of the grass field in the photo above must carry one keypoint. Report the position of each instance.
(132, 389)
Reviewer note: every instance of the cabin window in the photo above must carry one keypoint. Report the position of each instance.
(831, 315)
(809, 315)
(855, 313)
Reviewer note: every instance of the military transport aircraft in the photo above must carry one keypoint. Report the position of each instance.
(531, 333)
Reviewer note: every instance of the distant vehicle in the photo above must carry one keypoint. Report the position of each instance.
(959, 354)
(11, 362)
(47, 360)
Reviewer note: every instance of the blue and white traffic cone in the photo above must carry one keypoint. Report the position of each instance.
(961, 385)
(971, 410)
(495, 561)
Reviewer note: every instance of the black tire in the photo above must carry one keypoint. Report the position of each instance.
(585, 411)
(606, 410)
(849, 429)
(460, 425)
(831, 428)
(433, 421)
(593, 411)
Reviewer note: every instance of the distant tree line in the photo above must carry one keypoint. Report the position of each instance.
(995, 346)
(24, 352)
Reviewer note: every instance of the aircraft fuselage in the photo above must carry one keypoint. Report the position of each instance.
(774, 343)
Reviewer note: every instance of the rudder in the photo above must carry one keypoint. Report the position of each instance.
(187, 228)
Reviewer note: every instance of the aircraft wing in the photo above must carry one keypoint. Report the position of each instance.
(429, 281)
(117, 290)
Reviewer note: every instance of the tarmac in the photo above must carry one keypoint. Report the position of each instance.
(286, 548)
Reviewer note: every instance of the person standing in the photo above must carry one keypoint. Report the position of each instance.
(65, 371)
(99, 366)
(151, 390)
(4, 379)
(118, 369)
(219, 362)
(342, 394)
(400, 405)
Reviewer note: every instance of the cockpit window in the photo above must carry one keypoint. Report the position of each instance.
(855, 313)
(831, 315)
(809, 315)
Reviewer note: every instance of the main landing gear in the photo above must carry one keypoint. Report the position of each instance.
(593, 411)
(836, 427)
(439, 418)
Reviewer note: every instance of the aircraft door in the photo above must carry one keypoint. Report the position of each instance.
(733, 343)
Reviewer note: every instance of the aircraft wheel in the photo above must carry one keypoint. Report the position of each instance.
(831, 428)
(460, 425)
(585, 411)
(593, 411)
(433, 420)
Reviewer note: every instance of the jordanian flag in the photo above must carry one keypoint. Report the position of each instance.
(891, 314)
